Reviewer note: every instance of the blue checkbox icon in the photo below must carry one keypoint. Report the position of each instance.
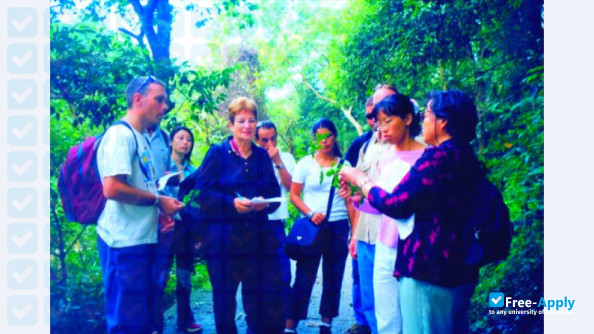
(47, 238)
(21, 202)
(46, 166)
(21, 22)
(46, 94)
(21, 130)
(496, 299)
(22, 94)
(22, 58)
(46, 58)
(21, 310)
(21, 274)
(22, 166)
(22, 238)
(46, 130)
(47, 310)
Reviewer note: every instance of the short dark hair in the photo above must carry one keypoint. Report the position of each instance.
(267, 124)
(324, 123)
(400, 105)
(458, 109)
(178, 129)
(140, 85)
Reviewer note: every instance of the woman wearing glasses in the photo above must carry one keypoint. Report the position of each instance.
(399, 125)
(239, 243)
(435, 284)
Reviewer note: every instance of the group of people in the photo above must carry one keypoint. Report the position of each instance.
(402, 226)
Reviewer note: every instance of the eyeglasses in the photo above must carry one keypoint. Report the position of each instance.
(388, 86)
(148, 80)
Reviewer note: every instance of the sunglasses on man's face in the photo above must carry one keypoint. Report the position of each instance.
(388, 86)
(148, 80)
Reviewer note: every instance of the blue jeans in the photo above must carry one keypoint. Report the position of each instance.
(430, 308)
(359, 316)
(127, 283)
(365, 256)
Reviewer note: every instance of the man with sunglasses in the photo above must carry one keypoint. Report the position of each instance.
(159, 141)
(352, 156)
(127, 227)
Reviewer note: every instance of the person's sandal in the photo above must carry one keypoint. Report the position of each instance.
(193, 328)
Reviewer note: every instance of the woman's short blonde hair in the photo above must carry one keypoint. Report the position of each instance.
(240, 104)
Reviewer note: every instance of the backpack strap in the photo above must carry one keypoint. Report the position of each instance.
(124, 123)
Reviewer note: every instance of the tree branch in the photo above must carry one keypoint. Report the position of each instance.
(348, 112)
(139, 37)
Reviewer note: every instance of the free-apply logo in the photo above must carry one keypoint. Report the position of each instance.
(496, 299)
(499, 300)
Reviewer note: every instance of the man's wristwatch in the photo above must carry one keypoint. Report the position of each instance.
(310, 215)
(279, 166)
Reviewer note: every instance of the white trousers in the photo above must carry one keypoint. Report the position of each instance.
(386, 290)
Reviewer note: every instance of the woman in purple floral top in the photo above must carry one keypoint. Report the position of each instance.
(435, 284)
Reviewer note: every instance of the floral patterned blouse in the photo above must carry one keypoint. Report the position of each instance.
(437, 191)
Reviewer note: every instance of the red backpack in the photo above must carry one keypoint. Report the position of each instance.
(79, 183)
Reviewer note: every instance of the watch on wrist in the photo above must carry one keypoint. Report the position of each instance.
(279, 166)
(310, 215)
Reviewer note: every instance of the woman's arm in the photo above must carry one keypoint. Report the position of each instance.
(295, 196)
(416, 190)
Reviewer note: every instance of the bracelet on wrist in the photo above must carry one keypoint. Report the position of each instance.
(279, 166)
(156, 200)
(310, 215)
(364, 182)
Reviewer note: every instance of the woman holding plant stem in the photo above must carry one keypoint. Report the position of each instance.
(239, 243)
(399, 124)
(435, 283)
(177, 243)
(334, 237)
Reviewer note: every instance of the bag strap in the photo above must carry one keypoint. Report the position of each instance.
(331, 197)
(124, 123)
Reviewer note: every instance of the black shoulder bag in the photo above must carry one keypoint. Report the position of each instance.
(305, 237)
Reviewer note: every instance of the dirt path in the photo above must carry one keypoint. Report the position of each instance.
(202, 307)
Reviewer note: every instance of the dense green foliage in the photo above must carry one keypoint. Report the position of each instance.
(304, 60)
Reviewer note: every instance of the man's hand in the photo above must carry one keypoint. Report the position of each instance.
(274, 155)
(169, 205)
(243, 205)
(353, 248)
